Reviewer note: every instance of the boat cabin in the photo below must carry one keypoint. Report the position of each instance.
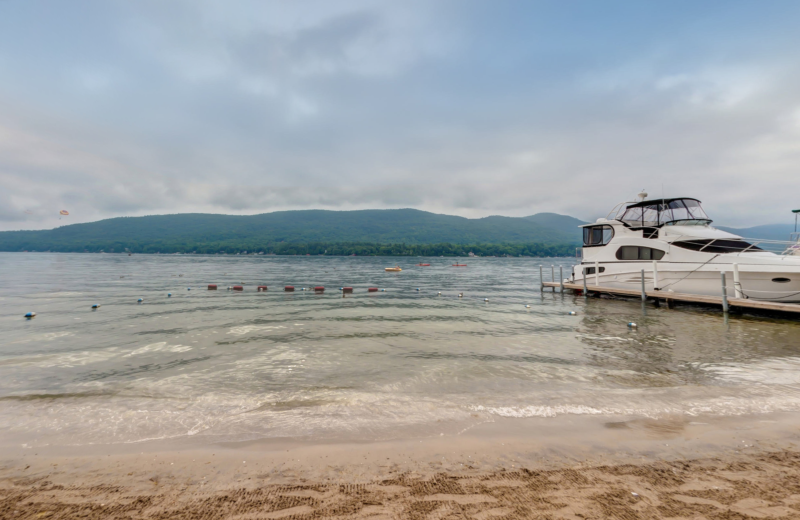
(664, 212)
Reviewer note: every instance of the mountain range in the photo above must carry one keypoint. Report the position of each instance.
(212, 232)
(284, 231)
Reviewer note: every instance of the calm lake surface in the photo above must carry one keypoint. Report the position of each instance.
(209, 366)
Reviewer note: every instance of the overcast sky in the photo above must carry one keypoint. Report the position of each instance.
(111, 108)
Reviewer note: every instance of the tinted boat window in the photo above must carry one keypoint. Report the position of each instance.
(639, 253)
(708, 245)
(597, 235)
(590, 270)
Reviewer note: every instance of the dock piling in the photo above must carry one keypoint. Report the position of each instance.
(585, 290)
(553, 275)
(644, 293)
(737, 285)
(655, 275)
(541, 279)
(561, 277)
(724, 293)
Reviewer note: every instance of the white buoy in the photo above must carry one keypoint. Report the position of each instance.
(440, 293)
(632, 325)
(486, 299)
(30, 315)
(460, 295)
(527, 306)
(572, 313)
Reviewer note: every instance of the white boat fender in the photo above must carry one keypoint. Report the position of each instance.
(30, 315)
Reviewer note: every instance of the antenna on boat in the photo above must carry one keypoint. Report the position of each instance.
(642, 195)
(796, 212)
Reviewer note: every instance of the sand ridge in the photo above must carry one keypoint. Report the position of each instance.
(761, 484)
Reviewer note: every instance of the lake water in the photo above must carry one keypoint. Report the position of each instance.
(209, 366)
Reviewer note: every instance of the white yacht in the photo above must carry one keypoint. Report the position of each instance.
(673, 241)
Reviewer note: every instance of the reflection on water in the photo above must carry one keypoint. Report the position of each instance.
(224, 365)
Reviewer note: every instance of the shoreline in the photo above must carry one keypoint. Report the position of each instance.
(745, 465)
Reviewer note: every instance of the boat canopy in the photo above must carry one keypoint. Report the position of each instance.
(656, 213)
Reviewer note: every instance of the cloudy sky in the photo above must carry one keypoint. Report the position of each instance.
(112, 108)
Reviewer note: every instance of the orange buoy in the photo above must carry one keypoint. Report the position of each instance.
(319, 288)
(212, 287)
(261, 288)
(372, 289)
(347, 289)
(423, 265)
(238, 288)
(289, 288)
(459, 265)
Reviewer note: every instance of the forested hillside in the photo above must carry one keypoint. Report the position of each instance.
(309, 232)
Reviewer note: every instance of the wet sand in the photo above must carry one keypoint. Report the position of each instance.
(566, 467)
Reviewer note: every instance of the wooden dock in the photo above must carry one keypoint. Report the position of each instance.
(669, 297)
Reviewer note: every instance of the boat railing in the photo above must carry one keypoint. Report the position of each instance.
(617, 210)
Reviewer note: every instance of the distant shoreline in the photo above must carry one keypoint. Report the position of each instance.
(282, 255)
(531, 250)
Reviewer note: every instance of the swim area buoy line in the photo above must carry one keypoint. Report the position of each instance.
(319, 288)
(97, 305)
(289, 288)
(238, 288)
(212, 287)
(347, 289)
(261, 288)
(372, 289)
(30, 315)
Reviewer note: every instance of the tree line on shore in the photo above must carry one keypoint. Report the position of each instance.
(311, 248)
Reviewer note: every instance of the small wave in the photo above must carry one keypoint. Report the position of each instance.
(161, 346)
(246, 329)
(47, 397)
(55, 335)
(539, 411)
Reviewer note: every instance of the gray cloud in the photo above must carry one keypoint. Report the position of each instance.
(112, 108)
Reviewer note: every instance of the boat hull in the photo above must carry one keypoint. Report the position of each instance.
(760, 286)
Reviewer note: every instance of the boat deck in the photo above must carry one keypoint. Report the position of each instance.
(670, 297)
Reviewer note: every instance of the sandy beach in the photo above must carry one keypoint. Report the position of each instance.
(744, 467)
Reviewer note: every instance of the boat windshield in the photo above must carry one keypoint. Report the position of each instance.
(655, 213)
